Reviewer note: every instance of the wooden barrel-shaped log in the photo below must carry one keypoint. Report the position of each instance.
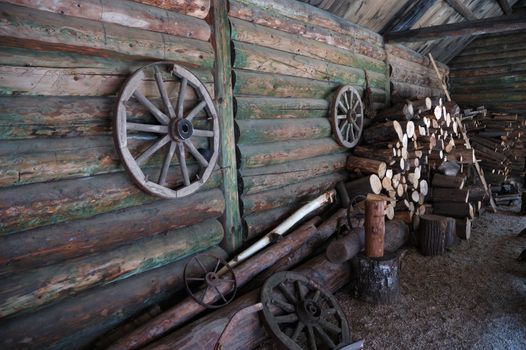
(432, 235)
(377, 280)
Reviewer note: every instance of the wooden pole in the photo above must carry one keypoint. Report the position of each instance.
(374, 226)
(223, 98)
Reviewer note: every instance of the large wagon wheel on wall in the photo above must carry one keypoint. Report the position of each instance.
(149, 132)
(347, 116)
(300, 314)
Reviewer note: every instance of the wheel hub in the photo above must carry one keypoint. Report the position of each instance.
(309, 311)
(351, 116)
(212, 279)
(181, 129)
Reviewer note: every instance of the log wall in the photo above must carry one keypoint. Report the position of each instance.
(491, 72)
(81, 247)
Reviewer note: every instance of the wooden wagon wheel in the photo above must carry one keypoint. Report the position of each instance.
(300, 314)
(347, 116)
(172, 125)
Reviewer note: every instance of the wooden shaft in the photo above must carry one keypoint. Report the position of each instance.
(374, 227)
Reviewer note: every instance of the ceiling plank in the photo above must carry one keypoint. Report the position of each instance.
(477, 27)
(505, 6)
(462, 9)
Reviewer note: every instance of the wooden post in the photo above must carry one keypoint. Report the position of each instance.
(374, 226)
(223, 97)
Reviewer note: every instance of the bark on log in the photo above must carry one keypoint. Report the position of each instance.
(54, 243)
(43, 285)
(456, 210)
(444, 181)
(345, 248)
(363, 186)
(249, 107)
(195, 8)
(272, 130)
(366, 166)
(377, 279)
(374, 227)
(432, 236)
(451, 232)
(251, 331)
(75, 322)
(463, 228)
(261, 222)
(450, 195)
(382, 154)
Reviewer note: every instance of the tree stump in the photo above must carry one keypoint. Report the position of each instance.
(374, 227)
(432, 238)
(451, 233)
(377, 280)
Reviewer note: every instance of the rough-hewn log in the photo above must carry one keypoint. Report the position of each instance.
(363, 186)
(49, 244)
(346, 247)
(505, 6)
(432, 234)
(477, 27)
(377, 279)
(260, 35)
(404, 90)
(273, 176)
(374, 227)
(306, 29)
(279, 197)
(262, 222)
(456, 210)
(38, 29)
(366, 166)
(449, 195)
(120, 12)
(251, 331)
(76, 321)
(383, 154)
(280, 108)
(269, 130)
(195, 8)
(262, 59)
(43, 285)
(462, 9)
(253, 156)
(440, 180)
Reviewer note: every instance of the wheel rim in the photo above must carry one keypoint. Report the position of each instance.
(347, 116)
(300, 314)
(179, 128)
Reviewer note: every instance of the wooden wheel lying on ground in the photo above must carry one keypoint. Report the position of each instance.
(148, 132)
(300, 314)
(347, 116)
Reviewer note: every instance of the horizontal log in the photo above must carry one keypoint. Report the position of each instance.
(273, 176)
(488, 70)
(46, 284)
(23, 27)
(477, 27)
(253, 156)
(440, 180)
(449, 195)
(286, 195)
(195, 8)
(270, 130)
(497, 96)
(262, 59)
(280, 108)
(455, 210)
(493, 62)
(283, 23)
(274, 85)
(259, 223)
(514, 52)
(264, 36)
(67, 200)
(383, 154)
(122, 12)
(77, 322)
(366, 165)
(54, 243)
(404, 90)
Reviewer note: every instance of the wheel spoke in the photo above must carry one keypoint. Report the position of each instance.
(283, 305)
(329, 326)
(159, 129)
(152, 149)
(351, 97)
(217, 265)
(316, 295)
(166, 163)
(182, 163)
(227, 280)
(325, 337)
(297, 331)
(298, 290)
(340, 104)
(162, 91)
(160, 116)
(290, 318)
(352, 132)
(341, 116)
(195, 279)
(203, 133)
(342, 128)
(347, 133)
(202, 298)
(180, 99)
(346, 100)
(196, 110)
(201, 264)
(356, 125)
(198, 156)
(356, 104)
(312, 340)
(287, 294)
(221, 294)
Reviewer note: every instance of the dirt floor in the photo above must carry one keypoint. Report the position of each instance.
(473, 297)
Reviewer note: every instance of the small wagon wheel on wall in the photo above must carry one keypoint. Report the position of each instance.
(165, 119)
(300, 314)
(347, 116)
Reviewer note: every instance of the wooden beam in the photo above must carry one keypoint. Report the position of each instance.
(462, 9)
(481, 26)
(505, 6)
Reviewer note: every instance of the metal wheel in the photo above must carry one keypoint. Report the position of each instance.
(347, 116)
(209, 288)
(178, 118)
(300, 314)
